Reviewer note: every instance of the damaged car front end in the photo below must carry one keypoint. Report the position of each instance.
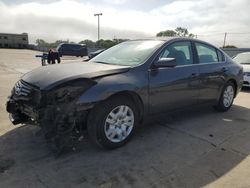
(54, 110)
(49, 97)
(23, 103)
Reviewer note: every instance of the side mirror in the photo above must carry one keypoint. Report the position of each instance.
(166, 62)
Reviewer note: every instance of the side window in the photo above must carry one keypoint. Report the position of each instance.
(181, 51)
(206, 54)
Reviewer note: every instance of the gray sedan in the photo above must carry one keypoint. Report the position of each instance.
(123, 86)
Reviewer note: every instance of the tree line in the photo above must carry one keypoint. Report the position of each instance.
(104, 44)
(178, 32)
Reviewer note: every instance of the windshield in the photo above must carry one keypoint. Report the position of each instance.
(128, 53)
(243, 58)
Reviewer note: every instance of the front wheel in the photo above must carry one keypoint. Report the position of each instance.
(112, 123)
(226, 98)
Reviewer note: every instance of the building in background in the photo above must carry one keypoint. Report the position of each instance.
(8, 40)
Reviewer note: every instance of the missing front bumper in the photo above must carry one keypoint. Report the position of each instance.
(16, 119)
(15, 116)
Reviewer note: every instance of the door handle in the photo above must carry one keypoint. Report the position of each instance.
(193, 75)
(224, 69)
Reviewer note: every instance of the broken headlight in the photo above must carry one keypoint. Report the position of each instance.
(68, 92)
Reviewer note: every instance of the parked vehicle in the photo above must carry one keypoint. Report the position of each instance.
(244, 60)
(78, 50)
(114, 91)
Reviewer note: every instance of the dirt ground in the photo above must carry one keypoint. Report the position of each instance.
(198, 148)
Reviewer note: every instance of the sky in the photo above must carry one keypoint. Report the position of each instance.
(74, 20)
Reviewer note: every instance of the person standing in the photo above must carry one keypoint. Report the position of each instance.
(53, 56)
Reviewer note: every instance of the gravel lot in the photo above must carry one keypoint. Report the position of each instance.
(198, 148)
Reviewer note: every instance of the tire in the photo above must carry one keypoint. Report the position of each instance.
(108, 133)
(226, 98)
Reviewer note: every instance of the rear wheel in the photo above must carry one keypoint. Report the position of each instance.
(226, 98)
(112, 123)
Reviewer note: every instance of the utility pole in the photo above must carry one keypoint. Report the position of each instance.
(98, 16)
(225, 38)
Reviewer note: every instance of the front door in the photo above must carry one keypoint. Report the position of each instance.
(171, 88)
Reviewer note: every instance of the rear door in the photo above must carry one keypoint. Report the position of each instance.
(171, 88)
(212, 68)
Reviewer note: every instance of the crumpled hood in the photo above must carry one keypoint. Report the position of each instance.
(53, 75)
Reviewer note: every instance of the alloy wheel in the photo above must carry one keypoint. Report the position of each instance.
(119, 123)
(228, 96)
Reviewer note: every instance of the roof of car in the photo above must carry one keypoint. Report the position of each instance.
(166, 39)
(173, 39)
(71, 44)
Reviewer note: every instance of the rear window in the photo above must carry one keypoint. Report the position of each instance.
(206, 53)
